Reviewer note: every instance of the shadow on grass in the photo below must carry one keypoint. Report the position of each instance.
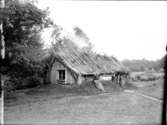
(54, 91)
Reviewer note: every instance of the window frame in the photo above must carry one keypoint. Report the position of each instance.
(62, 74)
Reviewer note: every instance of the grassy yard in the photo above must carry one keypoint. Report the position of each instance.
(85, 105)
(51, 91)
(0, 109)
(151, 88)
(122, 108)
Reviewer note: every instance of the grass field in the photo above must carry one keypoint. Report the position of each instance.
(85, 105)
(151, 88)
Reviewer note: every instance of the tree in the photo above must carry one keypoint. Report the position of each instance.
(2, 16)
(80, 33)
(21, 29)
(142, 65)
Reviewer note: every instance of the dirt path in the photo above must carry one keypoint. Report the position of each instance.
(151, 88)
(146, 96)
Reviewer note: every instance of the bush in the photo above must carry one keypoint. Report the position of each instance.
(9, 88)
(15, 83)
(31, 81)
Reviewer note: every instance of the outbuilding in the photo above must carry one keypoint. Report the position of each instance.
(73, 67)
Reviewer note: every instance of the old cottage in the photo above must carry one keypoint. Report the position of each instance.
(74, 67)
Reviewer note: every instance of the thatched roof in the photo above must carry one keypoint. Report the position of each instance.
(86, 63)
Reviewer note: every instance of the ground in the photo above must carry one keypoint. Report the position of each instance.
(57, 105)
(0, 109)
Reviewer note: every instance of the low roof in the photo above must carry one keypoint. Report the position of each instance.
(84, 62)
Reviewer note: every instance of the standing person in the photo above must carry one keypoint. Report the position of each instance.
(115, 78)
(120, 80)
(112, 77)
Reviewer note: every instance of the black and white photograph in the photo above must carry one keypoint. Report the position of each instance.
(69, 62)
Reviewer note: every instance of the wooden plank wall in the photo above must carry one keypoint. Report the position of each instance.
(54, 76)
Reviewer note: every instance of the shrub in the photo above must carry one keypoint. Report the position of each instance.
(32, 81)
(9, 88)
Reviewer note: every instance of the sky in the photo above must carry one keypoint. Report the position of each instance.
(124, 29)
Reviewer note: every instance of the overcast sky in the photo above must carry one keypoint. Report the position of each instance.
(126, 30)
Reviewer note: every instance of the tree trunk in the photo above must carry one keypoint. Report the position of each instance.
(2, 6)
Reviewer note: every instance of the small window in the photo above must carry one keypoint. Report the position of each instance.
(62, 75)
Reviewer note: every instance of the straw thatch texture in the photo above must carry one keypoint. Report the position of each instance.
(86, 63)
